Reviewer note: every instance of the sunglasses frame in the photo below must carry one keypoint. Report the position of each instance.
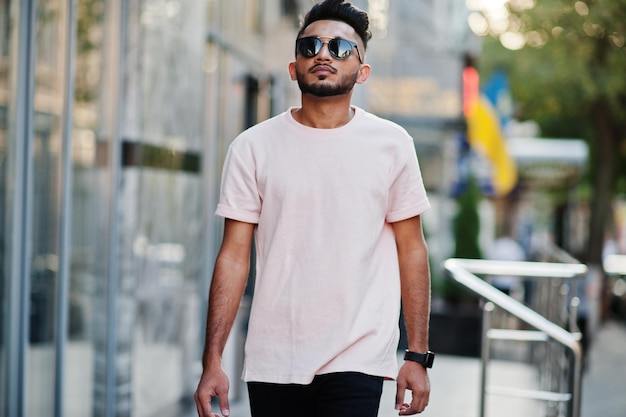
(354, 46)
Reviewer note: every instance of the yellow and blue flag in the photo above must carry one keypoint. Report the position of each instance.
(485, 136)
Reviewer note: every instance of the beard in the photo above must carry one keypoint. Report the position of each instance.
(322, 89)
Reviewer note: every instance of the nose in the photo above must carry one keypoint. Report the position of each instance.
(324, 54)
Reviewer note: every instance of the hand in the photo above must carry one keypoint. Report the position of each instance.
(413, 377)
(213, 383)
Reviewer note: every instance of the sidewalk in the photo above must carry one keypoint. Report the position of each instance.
(455, 384)
(454, 391)
(604, 383)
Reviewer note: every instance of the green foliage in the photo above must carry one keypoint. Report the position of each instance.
(575, 56)
(466, 223)
(466, 230)
(570, 77)
(89, 45)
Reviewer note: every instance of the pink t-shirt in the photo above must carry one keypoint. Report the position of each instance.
(327, 291)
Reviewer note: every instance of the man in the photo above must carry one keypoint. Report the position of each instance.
(333, 197)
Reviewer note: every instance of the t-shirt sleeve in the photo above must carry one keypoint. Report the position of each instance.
(239, 195)
(407, 196)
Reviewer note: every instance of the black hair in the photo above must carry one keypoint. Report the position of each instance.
(340, 11)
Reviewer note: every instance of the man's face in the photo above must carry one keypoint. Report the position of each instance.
(324, 75)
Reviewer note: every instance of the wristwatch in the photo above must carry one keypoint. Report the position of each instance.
(425, 359)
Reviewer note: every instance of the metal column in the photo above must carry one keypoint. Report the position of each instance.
(118, 14)
(21, 208)
(66, 213)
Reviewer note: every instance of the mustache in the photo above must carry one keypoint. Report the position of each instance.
(329, 67)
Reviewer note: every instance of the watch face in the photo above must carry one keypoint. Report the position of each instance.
(430, 358)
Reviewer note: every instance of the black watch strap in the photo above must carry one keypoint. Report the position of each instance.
(426, 359)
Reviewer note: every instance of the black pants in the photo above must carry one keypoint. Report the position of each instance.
(343, 394)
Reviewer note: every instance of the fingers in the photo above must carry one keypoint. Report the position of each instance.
(212, 384)
(203, 405)
(415, 379)
(400, 391)
(410, 409)
(420, 393)
(418, 405)
(224, 406)
(405, 410)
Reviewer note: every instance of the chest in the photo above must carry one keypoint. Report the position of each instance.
(332, 170)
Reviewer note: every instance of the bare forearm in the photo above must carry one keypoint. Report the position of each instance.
(229, 280)
(414, 281)
(227, 287)
(415, 286)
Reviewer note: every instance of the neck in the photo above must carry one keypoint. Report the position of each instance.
(324, 112)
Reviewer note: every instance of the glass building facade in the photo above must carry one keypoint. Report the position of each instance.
(115, 117)
(114, 120)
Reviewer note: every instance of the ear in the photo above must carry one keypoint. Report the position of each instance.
(364, 74)
(292, 71)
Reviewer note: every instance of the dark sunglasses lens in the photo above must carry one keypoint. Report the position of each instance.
(340, 48)
(309, 47)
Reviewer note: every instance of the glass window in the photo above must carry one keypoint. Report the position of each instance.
(85, 356)
(6, 90)
(51, 40)
(161, 224)
(161, 233)
(253, 14)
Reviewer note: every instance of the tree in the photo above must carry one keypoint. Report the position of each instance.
(466, 223)
(569, 74)
(466, 231)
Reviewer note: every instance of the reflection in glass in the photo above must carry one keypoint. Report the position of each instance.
(51, 38)
(163, 195)
(85, 364)
(154, 310)
(43, 200)
(6, 103)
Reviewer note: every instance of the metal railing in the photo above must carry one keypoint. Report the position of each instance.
(546, 330)
(615, 264)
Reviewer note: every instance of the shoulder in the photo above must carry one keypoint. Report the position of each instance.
(266, 126)
(260, 133)
(384, 131)
(373, 121)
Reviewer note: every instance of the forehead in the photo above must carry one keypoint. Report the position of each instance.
(331, 29)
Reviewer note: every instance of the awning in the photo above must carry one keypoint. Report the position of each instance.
(548, 163)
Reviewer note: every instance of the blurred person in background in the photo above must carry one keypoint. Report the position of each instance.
(505, 248)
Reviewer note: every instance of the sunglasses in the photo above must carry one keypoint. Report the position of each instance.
(339, 48)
